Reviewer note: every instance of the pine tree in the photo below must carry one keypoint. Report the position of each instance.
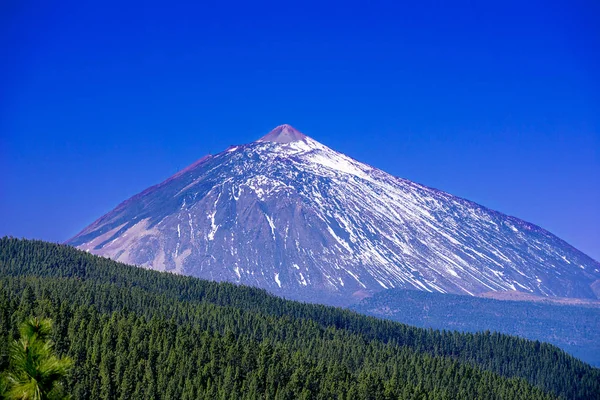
(35, 372)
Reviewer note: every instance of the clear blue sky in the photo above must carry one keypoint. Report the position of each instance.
(497, 102)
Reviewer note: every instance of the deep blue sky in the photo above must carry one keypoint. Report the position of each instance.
(497, 102)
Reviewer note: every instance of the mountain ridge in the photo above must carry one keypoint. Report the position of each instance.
(289, 214)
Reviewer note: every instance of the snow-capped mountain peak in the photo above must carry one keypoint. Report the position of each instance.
(289, 214)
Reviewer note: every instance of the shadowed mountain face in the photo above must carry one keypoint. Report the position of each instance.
(289, 214)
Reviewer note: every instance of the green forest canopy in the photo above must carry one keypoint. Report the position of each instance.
(134, 333)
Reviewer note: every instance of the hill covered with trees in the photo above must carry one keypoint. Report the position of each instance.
(133, 333)
(573, 328)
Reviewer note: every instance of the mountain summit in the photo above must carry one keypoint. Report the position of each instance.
(283, 134)
(291, 215)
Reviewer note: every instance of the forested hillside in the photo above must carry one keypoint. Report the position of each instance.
(134, 333)
(575, 329)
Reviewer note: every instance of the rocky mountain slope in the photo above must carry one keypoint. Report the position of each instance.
(288, 214)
